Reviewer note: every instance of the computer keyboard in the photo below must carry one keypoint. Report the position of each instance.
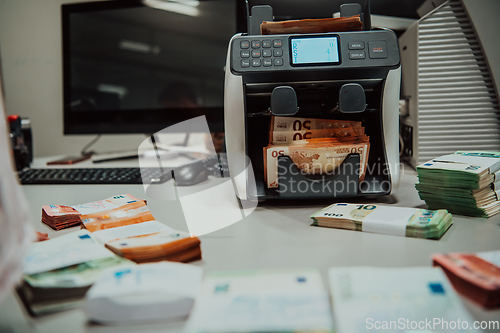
(211, 166)
(84, 176)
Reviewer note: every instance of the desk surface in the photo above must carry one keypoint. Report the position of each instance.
(275, 235)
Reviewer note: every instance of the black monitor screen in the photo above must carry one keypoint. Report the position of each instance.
(139, 66)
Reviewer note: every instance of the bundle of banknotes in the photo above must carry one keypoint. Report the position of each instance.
(125, 225)
(399, 221)
(58, 272)
(315, 146)
(60, 217)
(474, 275)
(150, 242)
(466, 183)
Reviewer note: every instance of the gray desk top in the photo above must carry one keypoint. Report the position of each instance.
(275, 235)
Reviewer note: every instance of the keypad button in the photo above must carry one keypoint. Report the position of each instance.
(267, 53)
(244, 44)
(354, 55)
(245, 53)
(255, 44)
(266, 43)
(268, 62)
(377, 49)
(278, 52)
(277, 43)
(278, 62)
(255, 53)
(356, 45)
(255, 62)
(245, 63)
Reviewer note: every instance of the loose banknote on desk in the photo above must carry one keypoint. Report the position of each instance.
(410, 299)
(474, 275)
(315, 146)
(261, 301)
(399, 221)
(466, 183)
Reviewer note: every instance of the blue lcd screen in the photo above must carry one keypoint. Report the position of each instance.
(315, 50)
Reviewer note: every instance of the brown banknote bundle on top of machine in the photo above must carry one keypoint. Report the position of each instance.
(315, 146)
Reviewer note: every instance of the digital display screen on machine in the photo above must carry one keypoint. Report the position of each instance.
(314, 50)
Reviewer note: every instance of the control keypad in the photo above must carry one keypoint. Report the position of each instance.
(262, 53)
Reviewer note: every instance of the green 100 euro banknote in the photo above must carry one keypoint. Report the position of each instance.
(400, 221)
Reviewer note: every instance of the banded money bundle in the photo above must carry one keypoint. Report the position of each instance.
(466, 183)
(399, 221)
(476, 276)
(315, 146)
(171, 245)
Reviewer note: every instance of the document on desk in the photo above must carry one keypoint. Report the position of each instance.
(261, 301)
(413, 299)
(63, 251)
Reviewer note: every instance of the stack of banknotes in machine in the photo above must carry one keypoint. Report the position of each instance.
(466, 183)
(315, 146)
(399, 221)
(125, 225)
(475, 275)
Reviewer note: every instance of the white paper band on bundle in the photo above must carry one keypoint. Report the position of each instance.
(497, 194)
(497, 176)
(388, 220)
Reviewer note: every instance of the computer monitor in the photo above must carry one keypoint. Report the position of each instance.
(140, 66)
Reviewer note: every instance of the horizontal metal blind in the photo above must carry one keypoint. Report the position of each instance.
(457, 105)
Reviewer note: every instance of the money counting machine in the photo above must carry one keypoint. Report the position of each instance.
(344, 76)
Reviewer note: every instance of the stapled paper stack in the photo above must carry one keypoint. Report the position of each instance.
(466, 183)
(399, 221)
(475, 275)
(315, 146)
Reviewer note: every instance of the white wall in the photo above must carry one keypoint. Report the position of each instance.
(31, 55)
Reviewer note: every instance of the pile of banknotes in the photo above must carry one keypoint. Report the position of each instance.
(399, 221)
(164, 243)
(125, 225)
(466, 183)
(58, 272)
(474, 275)
(60, 217)
(315, 146)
